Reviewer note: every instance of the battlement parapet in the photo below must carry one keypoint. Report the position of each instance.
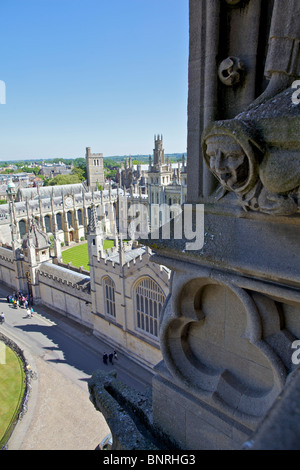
(64, 278)
(81, 269)
(6, 254)
(135, 260)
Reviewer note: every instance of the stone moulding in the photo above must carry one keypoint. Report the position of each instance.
(208, 371)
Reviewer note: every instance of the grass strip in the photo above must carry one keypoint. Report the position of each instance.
(12, 387)
(78, 255)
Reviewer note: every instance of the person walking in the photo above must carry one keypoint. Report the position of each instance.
(2, 317)
(105, 358)
(28, 313)
(110, 357)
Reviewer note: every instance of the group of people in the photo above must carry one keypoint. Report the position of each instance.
(110, 357)
(18, 299)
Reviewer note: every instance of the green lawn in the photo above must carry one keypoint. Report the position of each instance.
(12, 386)
(78, 255)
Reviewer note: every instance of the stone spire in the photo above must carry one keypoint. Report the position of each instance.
(36, 243)
(121, 251)
(158, 151)
(93, 224)
(95, 235)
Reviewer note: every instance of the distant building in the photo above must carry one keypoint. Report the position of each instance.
(61, 210)
(166, 186)
(120, 299)
(95, 169)
(132, 175)
(50, 171)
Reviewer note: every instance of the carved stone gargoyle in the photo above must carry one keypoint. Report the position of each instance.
(256, 156)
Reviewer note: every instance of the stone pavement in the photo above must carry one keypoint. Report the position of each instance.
(60, 415)
(56, 409)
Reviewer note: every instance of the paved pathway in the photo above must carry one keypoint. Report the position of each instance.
(60, 415)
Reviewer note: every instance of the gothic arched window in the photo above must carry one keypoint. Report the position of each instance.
(89, 214)
(109, 296)
(47, 223)
(80, 218)
(22, 228)
(70, 219)
(59, 221)
(149, 299)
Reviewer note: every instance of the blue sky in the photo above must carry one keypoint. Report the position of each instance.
(105, 74)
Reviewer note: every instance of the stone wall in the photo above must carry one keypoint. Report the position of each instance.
(66, 291)
(7, 267)
(122, 330)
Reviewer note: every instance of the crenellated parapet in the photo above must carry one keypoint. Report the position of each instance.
(6, 255)
(134, 259)
(64, 279)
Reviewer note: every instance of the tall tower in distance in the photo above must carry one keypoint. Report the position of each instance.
(94, 168)
(158, 151)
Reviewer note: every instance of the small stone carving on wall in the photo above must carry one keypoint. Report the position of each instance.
(231, 71)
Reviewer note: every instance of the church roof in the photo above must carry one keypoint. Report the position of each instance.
(47, 191)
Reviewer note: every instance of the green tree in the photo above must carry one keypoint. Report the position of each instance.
(26, 169)
(61, 180)
(80, 172)
(51, 241)
(110, 168)
(110, 174)
(80, 162)
(109, 163)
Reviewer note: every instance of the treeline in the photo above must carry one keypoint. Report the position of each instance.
(79, 173)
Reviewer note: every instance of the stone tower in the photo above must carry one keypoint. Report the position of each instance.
(158, 151)
(159, 177)
(95, 171)
(35, 250)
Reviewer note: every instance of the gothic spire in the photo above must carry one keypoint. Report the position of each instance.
(93, 219)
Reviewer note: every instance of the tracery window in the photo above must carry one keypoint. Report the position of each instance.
(109, 297)
(22, 228)
(79, 215)
(70, 219)
(59, 221)
(149, 299)
(47, 223)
